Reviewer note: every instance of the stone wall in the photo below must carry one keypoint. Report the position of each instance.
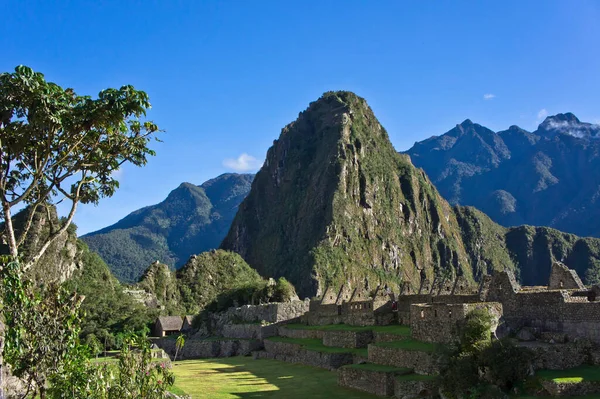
(375, 382)
(204, 349)
(548, 310)
(248, 331)
(348, 339)
(294, 353)
(561, 277)
(283, 331)
(214, 323)
(563, 356)
(413, 389)
(420, 362)
(436, 322)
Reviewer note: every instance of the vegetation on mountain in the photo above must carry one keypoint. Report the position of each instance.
(528, 250)
(107, 311)
(214, 280)
(192, 219)
(548, 177)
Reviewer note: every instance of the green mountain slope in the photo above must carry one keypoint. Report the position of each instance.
(192, 219)
(334, 202)
(531, 249)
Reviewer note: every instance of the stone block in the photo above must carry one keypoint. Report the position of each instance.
(348, 339)
(420, 362)
(413, 389)
(378, 383)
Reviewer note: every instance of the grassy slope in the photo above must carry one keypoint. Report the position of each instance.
(242, 377)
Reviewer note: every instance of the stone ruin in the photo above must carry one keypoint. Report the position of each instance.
(564, 306)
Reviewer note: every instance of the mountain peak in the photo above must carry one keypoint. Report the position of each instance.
(568, 124)
(466, 123)
(332, 186)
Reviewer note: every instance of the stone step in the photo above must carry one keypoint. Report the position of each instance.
(372, 378)
(310, 352)
(209, 348)
(424, 358)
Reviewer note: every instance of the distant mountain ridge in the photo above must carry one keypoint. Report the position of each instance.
(549, 177)
(192, 219)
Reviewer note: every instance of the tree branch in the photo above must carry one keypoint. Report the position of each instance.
(63, 229)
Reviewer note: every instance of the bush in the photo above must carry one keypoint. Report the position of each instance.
(505, 364)
(478, 368)
(474, 333)
(284, 291)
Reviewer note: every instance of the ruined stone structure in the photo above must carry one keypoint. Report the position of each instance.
(561, 277)
(565, 306)
(436, 322)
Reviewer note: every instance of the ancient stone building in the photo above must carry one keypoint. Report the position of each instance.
(561, 277)
(437, 322)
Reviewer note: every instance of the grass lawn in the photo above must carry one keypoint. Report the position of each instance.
(314, 344)
(410, 344)
(391, 329)
(242, 377)
(575, 375)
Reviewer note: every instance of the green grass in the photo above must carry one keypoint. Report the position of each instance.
(314, 344)
(571, 376)
(380, 367)
(390, 329)
(244, 378)
(410, 344)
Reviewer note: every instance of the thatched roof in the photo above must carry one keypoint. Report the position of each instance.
(170, 323)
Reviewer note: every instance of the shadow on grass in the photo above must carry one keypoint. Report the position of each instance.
(243, 377)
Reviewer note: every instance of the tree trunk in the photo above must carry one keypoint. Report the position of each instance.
(9, 230)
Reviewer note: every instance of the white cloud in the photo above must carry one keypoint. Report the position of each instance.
(542, 114)
(243, 163)
(488, 96)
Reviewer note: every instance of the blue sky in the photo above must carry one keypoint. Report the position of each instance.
(225, 77)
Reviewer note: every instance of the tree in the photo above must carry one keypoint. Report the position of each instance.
(179, 345)
(58, 146)
(42, 329)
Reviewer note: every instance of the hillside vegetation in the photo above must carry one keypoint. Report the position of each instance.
(215, 279)
(192, 219)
